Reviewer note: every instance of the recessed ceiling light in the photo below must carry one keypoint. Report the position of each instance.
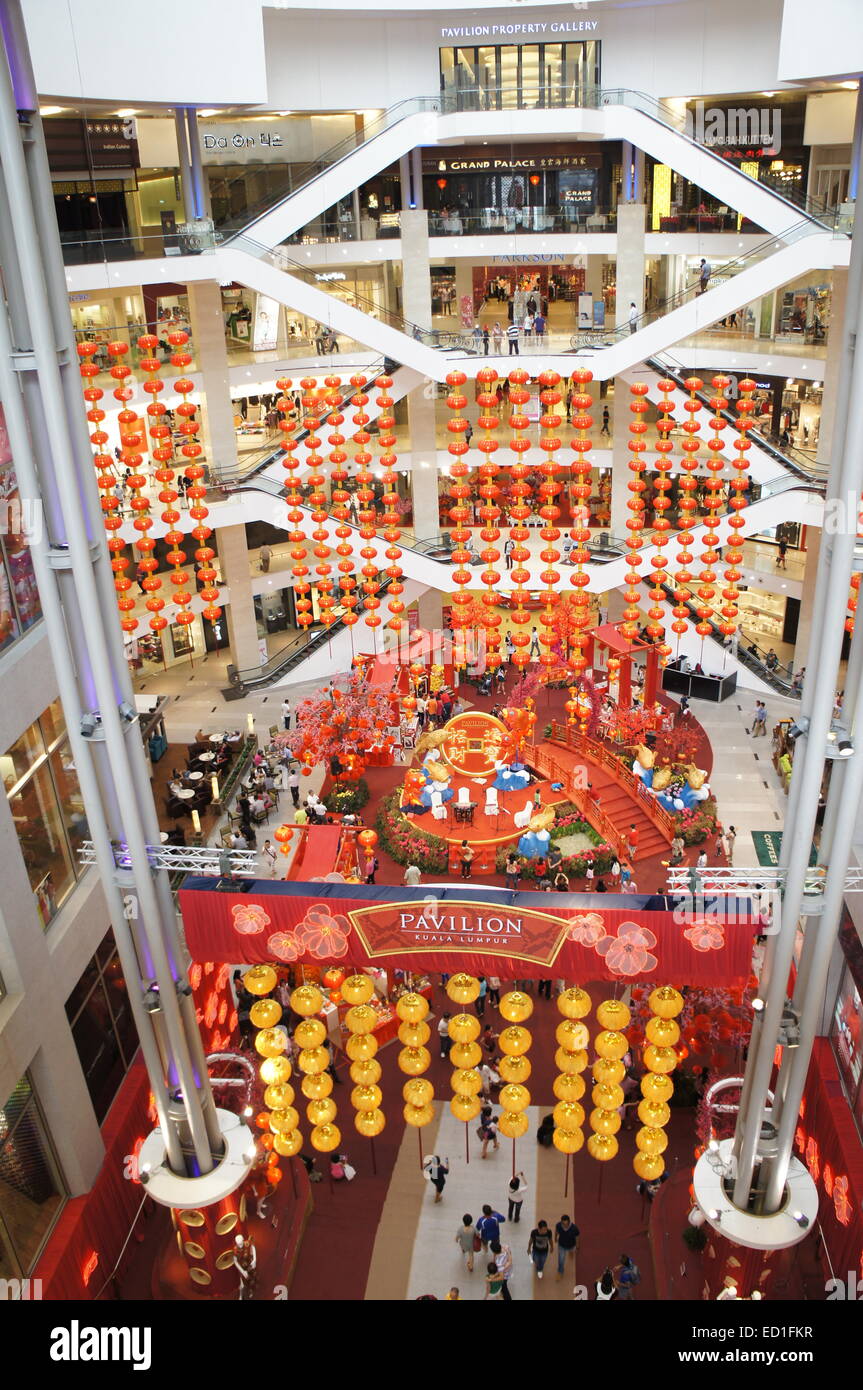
(209, 111)
(51, 110)
(127, 111)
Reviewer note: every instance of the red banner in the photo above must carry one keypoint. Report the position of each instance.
(526, 935)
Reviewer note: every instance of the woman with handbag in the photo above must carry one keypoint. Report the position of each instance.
(436, 1171)
(468, 1241)
(487, 1130)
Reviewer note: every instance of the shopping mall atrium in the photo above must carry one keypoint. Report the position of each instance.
(432, 458)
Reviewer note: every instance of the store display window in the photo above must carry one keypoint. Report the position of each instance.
(20, 607)
(32, 1192)
(102, 1026)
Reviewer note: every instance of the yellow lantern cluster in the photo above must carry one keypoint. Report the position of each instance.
(571, 1060)
(515, 1068)
(313, 1060)
(275, 1070)
(362, 1046)
(657, 1087)
(608, 1071)
(465, 1053)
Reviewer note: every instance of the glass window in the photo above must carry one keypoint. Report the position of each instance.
(845, 1034)
(102, 1025)
(31, 1190)
(19, 598)
(47, 808)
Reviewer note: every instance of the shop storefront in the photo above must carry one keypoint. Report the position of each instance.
(548, 188)
(497, 74)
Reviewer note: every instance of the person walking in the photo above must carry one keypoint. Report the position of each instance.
(485, 340)
(265, 555)
(487, 1130)
(466, 1239)
(482, 996)
(497, 338)
(627, 1275)
(704, 273)
(413, 876)
(515, 1197)
(437, 1170)
(512, 339)
(606, 417)
(534, 643)
(781, 562)
(633, 317)
(543, 989)
(701, 861)
(540, 1246)
(488, 1226)
(294, 785)
(605, 1288)
(677, 849)
(566, 1233)
(286, 714)
(370, 867)
(494, 989)
(759, 720)
(466, 857)
(508, 548)
(632, 841)
(444, 1037)
(730, 837)
(269, 856)
(494, 1281)
(503, 1263)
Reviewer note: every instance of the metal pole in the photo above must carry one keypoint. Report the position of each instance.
(856, 144)
(186, 182)
(196, 170)
(834, 572)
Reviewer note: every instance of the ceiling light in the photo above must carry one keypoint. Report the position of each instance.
(51, 110)
(127, 111)
(209, 111)
(849, 86)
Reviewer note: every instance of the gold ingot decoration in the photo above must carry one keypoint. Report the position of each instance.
(317, 1086)
(288, 1144)
(360, 1019)
(307, 1000)
(465, 1107)
(325, 1138)
(417, 1116)
(662, 1032)
(514, 1041)
(283, 1121)
(369, 1123)
(275, 1071)
(604, 1121)
(270, 1042)
(568, 1087)
(515, 1069)
(568, 1141)
(608, 1070)
(418, 1092)
(570, 1062)
(607, 1097)
(568, 1115)
(654, 1113)
(465, 1055)
(260, 980)
(656, 1087)
(200, 1276)
(464, 1028)
(665, 1002)
(414, 1060)
(466, 1082)
(651, 1141)
(192, 1217)
(514, 1098)
(613, 1014)
(310, 1033)
(225, 1260)
(513, 1125)
(361, 1046)
(414, 1034)
(462, 989)
(313, 1059)
(611, 1045)
(574, 1003)
(226, 1223)
(366, 1097)
(602, 1147)
(320, 1112)
(661, 1059)
(357, 989)
(516, 1006)
(572, 1035)
(265, 1013)
(194, 1250)
(366, 1073)
(412, 1008)
(649, 1167)
(278, 1097)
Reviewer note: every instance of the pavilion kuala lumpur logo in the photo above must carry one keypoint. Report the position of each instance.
(735, 127)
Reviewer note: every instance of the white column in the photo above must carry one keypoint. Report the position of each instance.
(430, 607)
(416, 282)
(832, 364)
(620, 474)
(211, 353)
(240, 612)
(424, 494)
(463, 287)
(630, 260)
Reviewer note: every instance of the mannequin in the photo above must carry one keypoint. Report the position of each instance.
(246, 1262)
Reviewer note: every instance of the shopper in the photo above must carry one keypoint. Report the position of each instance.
(704, 273)
(730, 837)
(677, 850)
(269, 856)
(633, 317)
(294, 785)
(512, 339)
(567, 1234)
(497, 336)
(412, 876)
(443, 1035)
(482, 996)
(494, 1281)
(467, 1240)
(488, 1226)
(508, 548)
(605, 1288)
(632, 841)
(487, 1130)
(627, 1275)
(494, 990)
(781, 562)
(503, 1263)
(540, 1246)
(515, 1197)
(370, 867)
(605, 419)
(265, 555)
(543, 989)
(485, 340)
(437, 1170)
(466, 858)
(286, 713)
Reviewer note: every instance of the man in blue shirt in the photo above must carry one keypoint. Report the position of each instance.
(488, 1226)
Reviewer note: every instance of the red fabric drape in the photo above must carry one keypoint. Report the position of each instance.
(828, 1143)
(89, 1235)
(534, 936)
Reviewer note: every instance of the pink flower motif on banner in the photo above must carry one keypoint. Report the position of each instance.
(249, 919)
(841, 1204)
(283, 946)
(706, 934)
(813, 1160)
(587, 928)
(628, 953)
(322, 934)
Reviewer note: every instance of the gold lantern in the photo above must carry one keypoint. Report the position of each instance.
(514, 1098)
(665, 1002)
(570, 1062)
(412, 1008)
(662, 1032)
(321, 1111)
(260, 980)
(462, 989)
(360, 1047)
(360, 1019)
(607, 1097)
(307, 1000)
(313, 1059)
(463, 1028)
(265, 1013)
(609, 1070)
(654, 1113)
(568, 1115)
(414, 1034)
(310, 1033)
(651, 1140)
(574, 1003)
(369, 1123)
(465, 1107)
(657, 1087)
(279, 1096)
(613, 1014)
(466, 1081)
(417, 1116)
(283, 1121)
(315, 1087)
(514, 1041)
(611, 1045)
(366, 1072)
(568, 1087)
(270, 1042)
(602, 1147)
(660, 1059)
(275, 1071)
(357, 989)
(515, 1069)
(414, 1060)
(513, 1125)
(418, 1092)
(568, 1141)
(465, 1054)
(604, 1121)
(287, 1145)
(325, 1138)
(366, 1097)
(572, 1035)
(515, 1007)
(649, 1167)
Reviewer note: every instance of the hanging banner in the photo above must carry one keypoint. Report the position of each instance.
(492, 932)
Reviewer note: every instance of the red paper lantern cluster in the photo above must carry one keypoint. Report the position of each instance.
(489, 511)
(549, 510)
(737, 504)
(580, 404)
(635, 524)
(661, 525)
(519, 512)
(687, 506)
